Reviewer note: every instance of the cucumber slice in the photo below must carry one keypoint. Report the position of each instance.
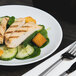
(24, 52)
(8, 54)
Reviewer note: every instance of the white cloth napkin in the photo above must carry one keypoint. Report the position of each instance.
(55, 72)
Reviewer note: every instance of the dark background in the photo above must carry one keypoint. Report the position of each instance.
(63, 10)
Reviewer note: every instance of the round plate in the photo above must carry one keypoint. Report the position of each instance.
(51, 24)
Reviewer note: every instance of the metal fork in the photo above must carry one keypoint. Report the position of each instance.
(69, 55)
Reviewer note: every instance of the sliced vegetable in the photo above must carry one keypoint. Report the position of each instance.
(8, 54)
(36, 52)
(39, 40)
(1, 52)
(24, 52)
(30, 19)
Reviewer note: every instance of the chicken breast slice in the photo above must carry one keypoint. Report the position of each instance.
(3, 24)
(21, 34)
(17, 24)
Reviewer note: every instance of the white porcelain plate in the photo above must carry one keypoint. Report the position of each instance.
(54, 30)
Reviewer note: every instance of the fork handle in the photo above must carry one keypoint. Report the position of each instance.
(45, 72)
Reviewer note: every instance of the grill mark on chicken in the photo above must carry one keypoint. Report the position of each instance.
(13, 36)
(3, 28)
(20, 31)
(21, 34)
(8, 32)
(13, 26)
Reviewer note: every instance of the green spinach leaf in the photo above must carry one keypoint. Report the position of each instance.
(44, 32)
(11, 20)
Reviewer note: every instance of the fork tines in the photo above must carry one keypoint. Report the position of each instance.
(73, 49)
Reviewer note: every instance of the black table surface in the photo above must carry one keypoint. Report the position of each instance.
(69, 36)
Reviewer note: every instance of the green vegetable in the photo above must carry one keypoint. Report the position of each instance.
(11, 20)
(36, 52)
(29, 39)
(24, 52)
(45, 34)
(8, 53)
(43, 27)
(30, 51)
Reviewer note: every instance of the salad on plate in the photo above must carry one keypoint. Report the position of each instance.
(21, 38)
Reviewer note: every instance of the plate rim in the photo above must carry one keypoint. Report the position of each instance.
(61, 37)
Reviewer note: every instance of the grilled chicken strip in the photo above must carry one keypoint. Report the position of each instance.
(21, 34)
(3, 24)
(18, 23)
